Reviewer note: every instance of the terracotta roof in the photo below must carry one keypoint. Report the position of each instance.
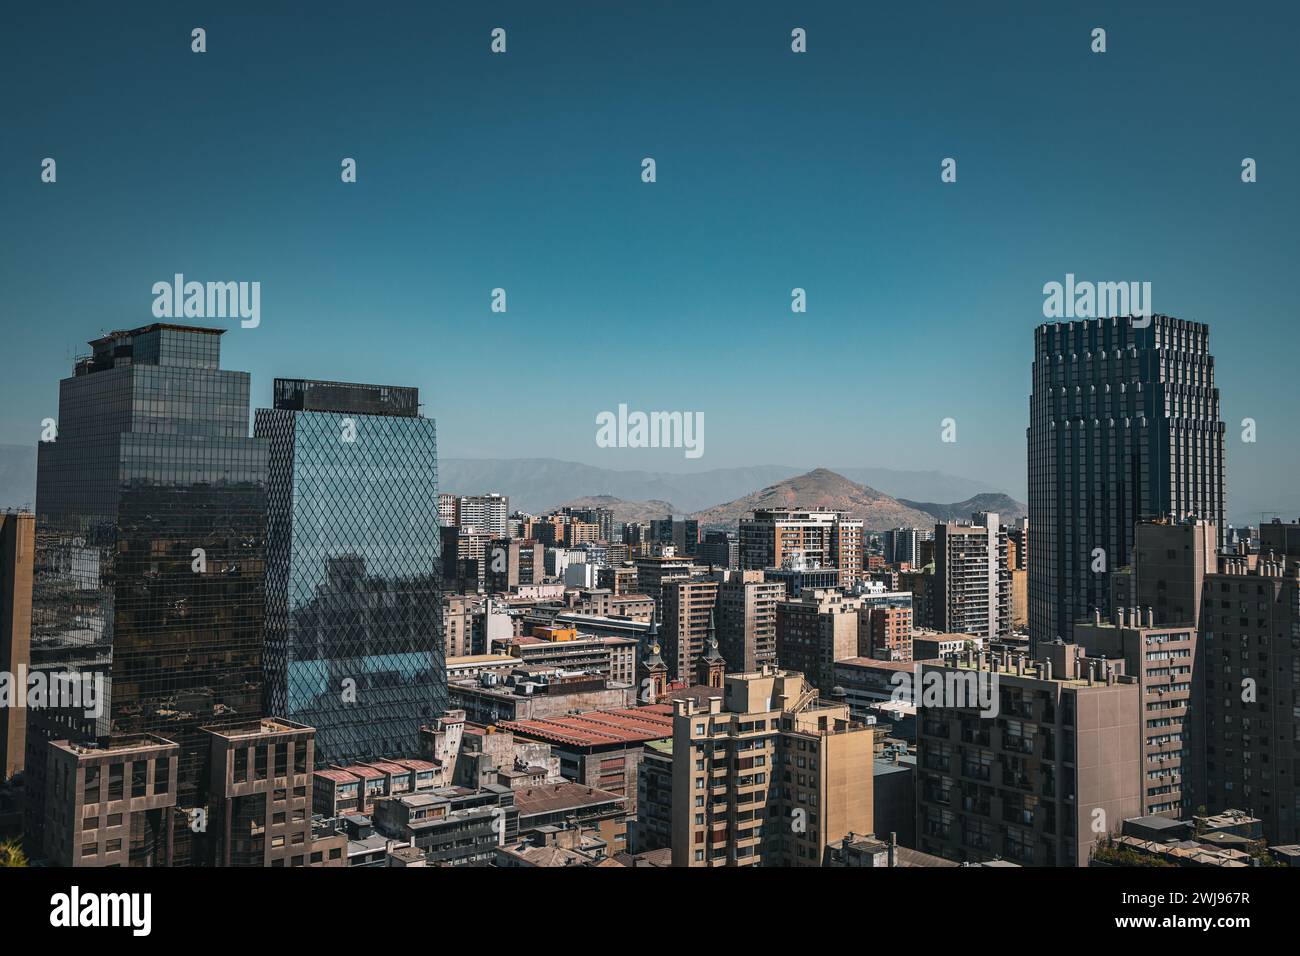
(338, 776)
(599, 727)
(384, 766)
(417, 764)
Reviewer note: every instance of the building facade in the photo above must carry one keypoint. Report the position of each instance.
(353, 591)
(1124, 426)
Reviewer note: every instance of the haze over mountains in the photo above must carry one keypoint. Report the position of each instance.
(539, 484)
(717, 497)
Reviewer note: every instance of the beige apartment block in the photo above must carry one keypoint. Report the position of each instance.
(766, 774)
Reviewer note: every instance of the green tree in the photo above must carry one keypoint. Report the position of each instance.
(11, 854)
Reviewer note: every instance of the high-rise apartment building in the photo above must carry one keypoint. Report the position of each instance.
(688, 625)
(1250, 645)
(825, 538)
(815, 630)
(1053, 768)
(903, 545)
(972, 589)
(485, 514)
(720, 549)
(746, 618)
(1124, 426)
(353, 586)
(682, 533)
(1170, 678)
(17, 559)
(149, 571)
(765, 774)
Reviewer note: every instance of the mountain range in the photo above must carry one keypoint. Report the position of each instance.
(820, 488)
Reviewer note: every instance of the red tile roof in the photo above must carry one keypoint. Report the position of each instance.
(599, 727)
(338, 776)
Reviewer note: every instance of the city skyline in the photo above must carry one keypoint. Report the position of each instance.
(689, 435)
(773, 174)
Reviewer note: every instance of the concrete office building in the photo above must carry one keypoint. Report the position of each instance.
(260, 793)
(1167, 569)
(1124, 426)
(1061, 757)
(110, 804)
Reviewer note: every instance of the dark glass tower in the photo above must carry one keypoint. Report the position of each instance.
(1123, 426)
(354, 594)
(152, 461)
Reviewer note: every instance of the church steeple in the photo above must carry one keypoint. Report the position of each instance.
(712, 666)
(652, 672)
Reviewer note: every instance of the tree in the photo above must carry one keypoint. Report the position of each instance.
(11, 854)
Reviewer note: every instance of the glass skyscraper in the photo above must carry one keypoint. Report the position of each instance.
(354, 594)
(151, 512)
(1123, 426)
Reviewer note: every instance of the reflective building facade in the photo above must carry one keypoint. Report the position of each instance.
(1124, 427)
(149, 569)
(354, 602)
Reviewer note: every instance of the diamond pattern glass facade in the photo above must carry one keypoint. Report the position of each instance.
(354, 603)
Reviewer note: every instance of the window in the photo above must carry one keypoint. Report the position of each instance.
(115, 782)
(92, 784)
(241, 765)
(161, 775)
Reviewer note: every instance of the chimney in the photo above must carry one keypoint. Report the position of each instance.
(893, 843)
(1092, 672)
(1047, 668)
(1119, 617)
(1096, 616)
(1151, 616)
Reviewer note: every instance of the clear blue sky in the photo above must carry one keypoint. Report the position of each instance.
(775, 170)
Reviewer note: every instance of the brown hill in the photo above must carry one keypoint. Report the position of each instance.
(820, 489)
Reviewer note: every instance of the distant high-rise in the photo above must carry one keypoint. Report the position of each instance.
(831, 539)
(150, 527)
(354, 588)
(486, 514)
(1123, 426)
(17, 545)
(972, 588)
